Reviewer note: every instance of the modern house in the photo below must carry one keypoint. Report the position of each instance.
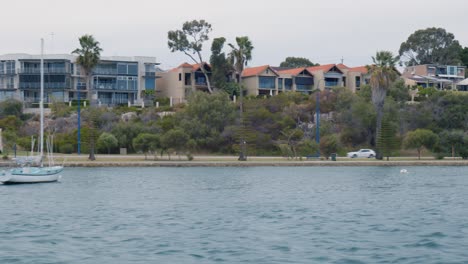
(432, 75)
(179, 82)
(115, 80)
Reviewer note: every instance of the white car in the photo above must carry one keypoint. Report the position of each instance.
(362, 153)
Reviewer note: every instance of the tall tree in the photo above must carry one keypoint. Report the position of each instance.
(297, 62)
(464, 58)
(239, 56)
(88, 57)
(431, 45)
(219, 64)
(383, 74)
(197, 31)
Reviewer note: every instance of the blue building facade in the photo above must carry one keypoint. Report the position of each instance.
(114, 81)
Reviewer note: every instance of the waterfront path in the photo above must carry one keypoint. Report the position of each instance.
(231, 161)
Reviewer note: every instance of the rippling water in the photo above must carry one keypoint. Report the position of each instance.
(234, 215)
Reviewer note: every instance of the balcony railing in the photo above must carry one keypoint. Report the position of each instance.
(104, 72)
(8, 72)
(150, 74)
(304, 87)
(105, 86)
(53, 70)
(331, 84)
(37, 85)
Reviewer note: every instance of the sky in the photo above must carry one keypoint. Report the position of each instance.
(323, 31)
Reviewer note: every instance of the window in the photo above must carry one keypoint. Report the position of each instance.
(180, 77)
(266, 82)
(188, 79)
(280, 83)
(150, 83)
(288, 83)
(344, 81)
(358, 81)
(304, 83)
(451, 70)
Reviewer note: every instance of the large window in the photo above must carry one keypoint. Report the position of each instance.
(452, 70)
(288, 83)
(266, 82)
(127, 68)
(150, 83)
(304, 83)
(280, 83)
(127, 83)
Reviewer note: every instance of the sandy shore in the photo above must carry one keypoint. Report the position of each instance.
(231, 161)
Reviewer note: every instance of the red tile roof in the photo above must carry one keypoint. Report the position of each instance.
(253, 71)
(361, 69)
(341, 66)
(194, 67)
(294, 71)
(324, 68)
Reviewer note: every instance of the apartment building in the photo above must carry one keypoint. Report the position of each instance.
(432, 75)
(114, 81)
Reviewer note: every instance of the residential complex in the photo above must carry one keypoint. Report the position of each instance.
(115, 80)
(264, 80)
(124, 80)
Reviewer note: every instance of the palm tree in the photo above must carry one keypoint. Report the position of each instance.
(383, 74)
(238, 57)
(88, 57)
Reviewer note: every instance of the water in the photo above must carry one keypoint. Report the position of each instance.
(239, 215)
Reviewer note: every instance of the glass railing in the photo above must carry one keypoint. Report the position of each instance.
(105, 86)
(37, 85)
(46, 71)
(105, 72)
(304, 87)
(331, 84)
(8, 72)
(150, 74)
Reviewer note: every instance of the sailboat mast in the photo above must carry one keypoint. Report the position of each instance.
(41, 102)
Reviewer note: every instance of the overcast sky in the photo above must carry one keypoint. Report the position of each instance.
(323, 31)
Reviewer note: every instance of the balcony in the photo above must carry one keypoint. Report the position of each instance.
(105, 86)
(37, 85)
(8, 72)
(105, 72)
(150, 74)
(53, 70)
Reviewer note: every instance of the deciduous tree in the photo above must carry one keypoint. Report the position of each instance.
(190, 40)
(297, 62)
(430, 45)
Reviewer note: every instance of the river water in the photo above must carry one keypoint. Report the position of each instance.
(239, 215)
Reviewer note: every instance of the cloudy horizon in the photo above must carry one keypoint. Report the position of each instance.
(321, 31)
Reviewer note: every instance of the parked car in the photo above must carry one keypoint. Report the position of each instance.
(362, 153)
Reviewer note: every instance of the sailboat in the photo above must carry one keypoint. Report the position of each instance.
(31, 173)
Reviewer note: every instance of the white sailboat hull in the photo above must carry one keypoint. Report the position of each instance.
(32, 175)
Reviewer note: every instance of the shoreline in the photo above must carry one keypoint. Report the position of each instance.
(276, 163)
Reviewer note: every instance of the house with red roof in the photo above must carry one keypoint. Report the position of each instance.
(179, 82)
(297, 79)
(261, 80)
(327, 76)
